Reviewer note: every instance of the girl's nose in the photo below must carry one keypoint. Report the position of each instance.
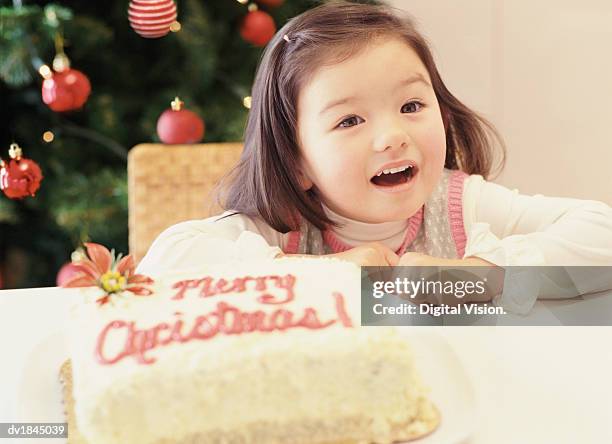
(391, 138)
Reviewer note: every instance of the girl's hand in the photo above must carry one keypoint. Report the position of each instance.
(368, 255)
(423, 260)
(493, 287)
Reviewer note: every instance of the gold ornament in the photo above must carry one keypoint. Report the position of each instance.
(78, 255)
(15, 151)
(45, 72)
(61, 62)
(177, 104)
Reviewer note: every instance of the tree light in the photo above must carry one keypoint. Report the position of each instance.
(48, 136)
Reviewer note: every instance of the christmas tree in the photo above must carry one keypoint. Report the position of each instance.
(82, 152)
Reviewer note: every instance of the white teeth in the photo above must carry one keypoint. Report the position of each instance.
(394, 170)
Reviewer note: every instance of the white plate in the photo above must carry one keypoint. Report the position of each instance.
(39, 396)
(451, 388)
(39, 392)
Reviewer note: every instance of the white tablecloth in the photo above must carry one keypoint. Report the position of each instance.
(535, 385)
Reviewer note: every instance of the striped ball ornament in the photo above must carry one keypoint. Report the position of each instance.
(152, 18)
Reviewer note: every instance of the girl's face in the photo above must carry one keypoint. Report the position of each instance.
(375, 111)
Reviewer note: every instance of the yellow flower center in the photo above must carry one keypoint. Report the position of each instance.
(112, 282)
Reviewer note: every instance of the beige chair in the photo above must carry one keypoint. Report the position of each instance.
(168, 184)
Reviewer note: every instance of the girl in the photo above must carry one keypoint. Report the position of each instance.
(355, 148)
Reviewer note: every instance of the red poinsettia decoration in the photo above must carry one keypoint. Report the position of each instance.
(113, 275)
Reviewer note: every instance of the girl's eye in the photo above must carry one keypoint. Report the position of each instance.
(351, 121)
(412, 107)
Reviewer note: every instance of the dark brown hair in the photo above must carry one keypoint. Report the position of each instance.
(265, 183)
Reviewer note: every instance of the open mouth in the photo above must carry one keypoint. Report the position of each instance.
(395, 176)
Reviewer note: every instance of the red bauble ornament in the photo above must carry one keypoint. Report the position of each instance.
(151, 18)
(66, 90)
(20, 177)
(177, 125)
(258, 28)
(270, 3)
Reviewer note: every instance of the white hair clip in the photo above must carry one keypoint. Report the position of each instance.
(286, 38)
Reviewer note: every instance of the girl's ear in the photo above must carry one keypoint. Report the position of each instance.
(304, 179)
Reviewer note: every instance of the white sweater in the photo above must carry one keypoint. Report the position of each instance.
(502, 227)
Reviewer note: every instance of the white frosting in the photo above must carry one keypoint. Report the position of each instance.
(242, 383)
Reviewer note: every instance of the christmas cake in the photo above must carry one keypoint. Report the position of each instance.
(268, 352)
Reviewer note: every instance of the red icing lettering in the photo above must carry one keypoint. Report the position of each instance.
(209, 287)
(342, 314)
(102, 340)
(176, 330)
(185, 285)
(206, 291)
(281, 319)
(141, 342)
(157, 329)
(230, 319)
(255, 321)
(224, 319)
(204, 328)
(286, 283)
(311, 320)
(240, 283)
(222, 286)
